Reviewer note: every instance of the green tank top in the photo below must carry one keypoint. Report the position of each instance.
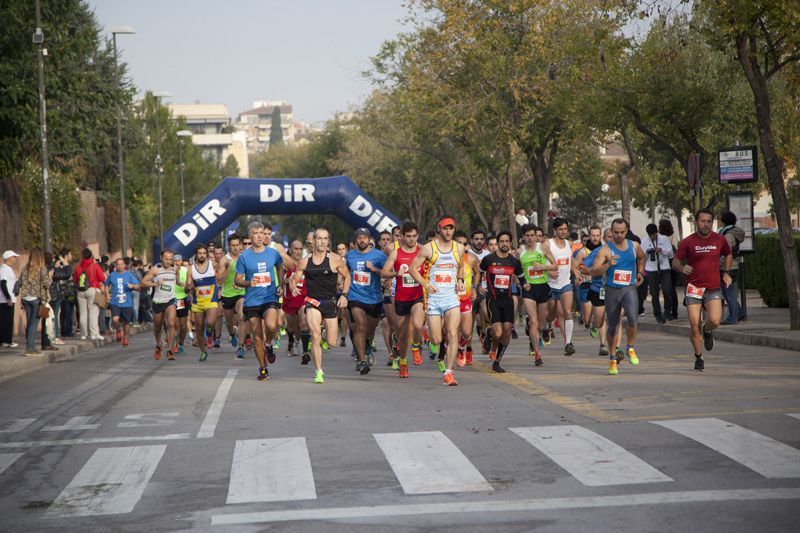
(180, 293)
(230, 290)
(530, 259)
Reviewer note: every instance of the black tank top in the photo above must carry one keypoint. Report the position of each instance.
(321, 279)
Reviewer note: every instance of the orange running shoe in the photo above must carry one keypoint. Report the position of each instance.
(492, 356)
(125, 342)
(417, 356)
(157, 353)
(461, 360)
(450, 379)
(404, 369)
(119, 335)
(469, 358)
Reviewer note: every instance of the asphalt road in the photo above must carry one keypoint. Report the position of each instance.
(115, 441)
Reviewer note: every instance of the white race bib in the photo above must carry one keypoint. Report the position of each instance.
(602, 293)
(262, 279)
(362, 279)
(502, 281)
(622, 277)
(695, 292)
(533, 272)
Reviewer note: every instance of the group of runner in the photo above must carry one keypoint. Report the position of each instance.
(432, 292)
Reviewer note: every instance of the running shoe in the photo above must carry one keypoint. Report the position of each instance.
(119, 335)
(342, 342)
(390, 361)
(537, 361)
(319, 376)
(248, 342)
(531, 349)
(203, 356)
(708, 337)
(240, 352)
(281, 331)
(157, 353)
(461, 360)
(546, 336)
(363, 368)
(632, 358)
(235, 337)
(371, 359)
(125, 342)
(487, 343)
(263, 374)
(612, 368)
(181, 350)
(209, 341)
(603, 352)
(541, 343)
(449, 379)
(416, 356)
(354, 354)
(569, 349)
(404, 369)
(305, 359)
(170, 355)
(270, 355)
(496, 368)
(395, 364)
(594, 332)
(373, 346)
(190, 334)
(432, 355)
(699, 364)
(216, 342)
(324, 345)
(277, 342)
(619, 355)
(440, 365)
(514, 334)
(469, 358)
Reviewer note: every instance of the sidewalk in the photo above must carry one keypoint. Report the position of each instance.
(14, 362)
(765, 326)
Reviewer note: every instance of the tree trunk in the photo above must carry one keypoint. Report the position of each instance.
(624, 197)
(774, 166)
(543, 178)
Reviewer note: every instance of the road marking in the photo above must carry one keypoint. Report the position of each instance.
(758, 452)
(271, 470)
(590, 458)
(142, 420)
(505, 506)
(794, 415)
(427, 462)
(209, 425)
(76, 423)
(18, 425)
(585, 408)
(93, 440)
(111, 482)
(7, 459)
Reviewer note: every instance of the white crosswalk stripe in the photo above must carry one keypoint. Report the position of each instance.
(111, 482)
(590, 458)
(427, 462)
(7, 459)
(766, 456)
(271, 470)
(18, 425)
(794, 415)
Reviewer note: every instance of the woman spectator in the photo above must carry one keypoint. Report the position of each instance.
(34, 291)
(88, 278)
(665, 228)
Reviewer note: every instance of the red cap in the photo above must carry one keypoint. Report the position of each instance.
(447, 221)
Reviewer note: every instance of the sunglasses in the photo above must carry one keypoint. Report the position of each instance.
(247, 243)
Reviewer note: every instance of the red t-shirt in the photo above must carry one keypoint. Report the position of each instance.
(703, 256)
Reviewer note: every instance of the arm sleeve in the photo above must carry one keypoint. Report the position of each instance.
(4, 288)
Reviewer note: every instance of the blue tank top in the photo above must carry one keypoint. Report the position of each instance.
(623, 274)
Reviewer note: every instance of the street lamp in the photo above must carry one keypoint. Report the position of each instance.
(122, 30)
(38, 39)
(182, 134)
(158, 96)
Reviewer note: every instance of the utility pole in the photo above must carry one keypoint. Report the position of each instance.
(120, 163)
(38, 38)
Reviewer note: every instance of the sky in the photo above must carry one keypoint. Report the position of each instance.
(308, 52)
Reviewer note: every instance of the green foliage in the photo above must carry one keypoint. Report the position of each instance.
(275, 131)
(765, 270)
(230, 168)
(579, 181)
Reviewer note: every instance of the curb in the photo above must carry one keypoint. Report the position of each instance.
(12, 366)
(724, 335)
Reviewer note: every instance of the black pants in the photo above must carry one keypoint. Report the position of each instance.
(67, 310)
(660, 281)
(6, 323)
(641, 292)
(673, 276)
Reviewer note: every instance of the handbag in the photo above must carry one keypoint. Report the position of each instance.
(100, 299)
(44, 311)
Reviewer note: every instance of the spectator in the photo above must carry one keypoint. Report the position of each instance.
(735, 237)
(665, 229)
(8, 298)
(58, 273)
(88, 278)
(66, 289)
(657, 271)
(35, 292)
(136, 269)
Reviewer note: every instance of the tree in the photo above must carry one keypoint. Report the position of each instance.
(275, 131)
(230, 168)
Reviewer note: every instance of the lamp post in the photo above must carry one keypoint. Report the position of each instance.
(182, 134)
(158, 96)
(38, 39)
(122, 30)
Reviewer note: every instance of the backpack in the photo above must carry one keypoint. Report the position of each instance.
(736, 242)
(83, 281)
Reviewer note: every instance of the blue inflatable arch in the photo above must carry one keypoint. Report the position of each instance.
(234, 197)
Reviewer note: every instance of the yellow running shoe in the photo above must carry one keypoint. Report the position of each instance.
(612, 368)
(632, 356)
(319, 377)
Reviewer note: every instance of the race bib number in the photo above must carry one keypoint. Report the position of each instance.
(409, 282)
(563, 261)
(121, 298)
(602, 293)
(443, 279)
(166, 288)
(622, 277)
(502, 281)
(695, 292)
(262, 279)
(362, 278)
(181, 304)
(205, 292)
(534, 272)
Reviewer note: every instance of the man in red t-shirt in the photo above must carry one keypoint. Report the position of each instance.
(698, 258)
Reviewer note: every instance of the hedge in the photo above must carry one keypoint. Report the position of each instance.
(764, 270)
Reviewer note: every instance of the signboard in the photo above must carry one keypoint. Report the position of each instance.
(738, 164)
(741, 205)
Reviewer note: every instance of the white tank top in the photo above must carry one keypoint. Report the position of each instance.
(444, 270)
(563, 258)
(165, 285)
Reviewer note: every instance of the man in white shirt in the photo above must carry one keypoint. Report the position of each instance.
(658, 250)
(8, 279)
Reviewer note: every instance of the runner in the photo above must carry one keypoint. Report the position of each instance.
(294, 307)
(163, 278)
(443, 282)
(118, 287)
(597, 297)
(321, 270)
(365, 300)
(182, 301)
(344, 315)
(698, 257)
(220, 260)
(560, 253)
(584, 281)
(202, 283)
(466, 298)
(408, 296)
(621, 262)
(233, 298)
(389, 319)
(255, 271)
(478, 250)
(499, 269)
(535, 268)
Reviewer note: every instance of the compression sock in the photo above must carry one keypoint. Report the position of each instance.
(501, 348)
(569, 325)
(434, 349)
(305, 338)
